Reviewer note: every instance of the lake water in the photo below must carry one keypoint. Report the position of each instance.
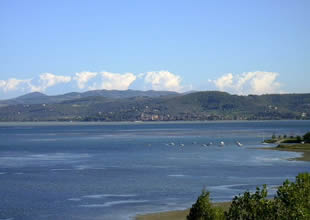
(115, 171)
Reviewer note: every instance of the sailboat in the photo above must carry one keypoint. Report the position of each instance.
(239, 144)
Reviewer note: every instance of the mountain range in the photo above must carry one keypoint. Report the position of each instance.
(133, 105)
(40, 98)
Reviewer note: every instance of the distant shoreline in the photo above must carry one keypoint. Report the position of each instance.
(301, 148)
(137, 122)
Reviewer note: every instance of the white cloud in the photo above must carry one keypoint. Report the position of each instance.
(115, 81)
(163, 80)
(13, 84)
(265, 83)
(2, 84)
(49, 80)
(140, 75)
(224, 82)
(83, 77)
(258, 82)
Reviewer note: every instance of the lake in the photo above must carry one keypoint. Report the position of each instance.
(89, 171)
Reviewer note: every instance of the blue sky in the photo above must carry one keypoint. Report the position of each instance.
(241, 47)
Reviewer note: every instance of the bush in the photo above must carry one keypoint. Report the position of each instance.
(293, 198)
(203, 210)
(291, 202)
(251, 206)
(307, 137)
(298, 138)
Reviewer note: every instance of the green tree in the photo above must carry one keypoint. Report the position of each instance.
(251, 206)
(291, 202)
(293, 198)
(298, 138)
(307, 137)
(203, 210)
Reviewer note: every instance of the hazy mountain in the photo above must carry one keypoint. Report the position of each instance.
(194, 106)
(40, 98)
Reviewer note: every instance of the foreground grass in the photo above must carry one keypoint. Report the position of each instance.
(176, 215)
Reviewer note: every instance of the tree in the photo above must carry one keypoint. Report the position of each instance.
(203, 210)
(251, 206)
(293, 198)
(307, 137)
(298, 138)
(291, 202)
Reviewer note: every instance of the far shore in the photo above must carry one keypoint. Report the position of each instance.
(27, 123)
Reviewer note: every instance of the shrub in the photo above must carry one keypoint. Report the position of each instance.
(291, 202)
(251, 206)
(298, 138)
(293, 198)
(307, 137)
(203, 210)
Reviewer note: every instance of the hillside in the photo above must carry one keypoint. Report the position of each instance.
(194, 106)
(40, 98)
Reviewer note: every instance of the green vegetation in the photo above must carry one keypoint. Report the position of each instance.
(271, 141)
(293, 199)
(251, 206)
(291, 202)
(307, 137)
(154, 106)
(288, 140)
(295, 144)
(203, 209)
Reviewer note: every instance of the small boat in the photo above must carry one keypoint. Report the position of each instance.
(172, 144)
(204, 145)
(209, 144)
(182, 145)
(239, 144)
(222, 143)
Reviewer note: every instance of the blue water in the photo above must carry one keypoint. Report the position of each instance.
(117, 170)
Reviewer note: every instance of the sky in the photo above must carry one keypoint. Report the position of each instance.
(241, 47)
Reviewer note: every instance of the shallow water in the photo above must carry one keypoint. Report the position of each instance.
(115, 171)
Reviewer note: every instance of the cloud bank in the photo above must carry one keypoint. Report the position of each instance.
(82, 78)
(13, 84)
(163, 80)
(48, 80)
(114, 81)
(258, 82)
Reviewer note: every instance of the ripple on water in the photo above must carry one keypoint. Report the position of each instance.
(113, 203)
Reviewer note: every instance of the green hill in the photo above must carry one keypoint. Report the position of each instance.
(210, 105)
